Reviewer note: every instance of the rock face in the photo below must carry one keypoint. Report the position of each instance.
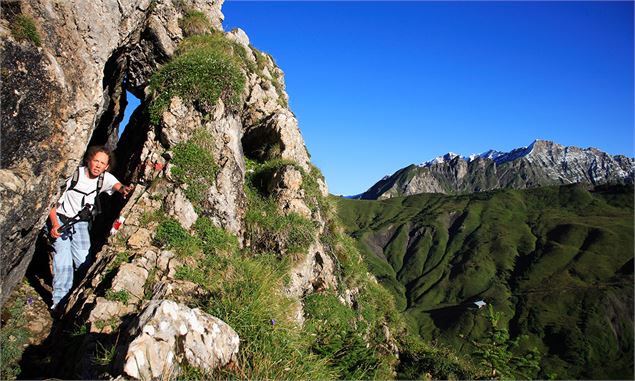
(541, 163)
(69, 91)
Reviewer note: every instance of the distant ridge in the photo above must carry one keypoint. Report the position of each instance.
(541, 163)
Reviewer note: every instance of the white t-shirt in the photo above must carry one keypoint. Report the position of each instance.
(72, 201)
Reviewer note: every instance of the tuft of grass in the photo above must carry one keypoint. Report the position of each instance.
(23, 29)
(201, 73)
(148, 287)
(194, 166)
(172, 235)
(112, 322)
(195, 23)
(246, 295)
(79, 330)
(214, 239)
(270, 230)
(419, 360)
(104, 354)
(13, 337)
(118, 296)
(121, 258)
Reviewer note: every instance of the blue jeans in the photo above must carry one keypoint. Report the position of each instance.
(71, 248)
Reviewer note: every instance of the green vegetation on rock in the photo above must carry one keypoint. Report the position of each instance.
(244, 287)
(195, 23)
(194, 166)
(13, 337)
(206, 68)
(268, 229)
(23, 29)
(556, 262)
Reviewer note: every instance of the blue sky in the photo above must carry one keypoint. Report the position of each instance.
(377, 86)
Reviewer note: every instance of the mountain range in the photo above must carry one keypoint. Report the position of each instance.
(541, 163)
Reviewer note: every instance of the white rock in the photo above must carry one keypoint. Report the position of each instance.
(190, 337)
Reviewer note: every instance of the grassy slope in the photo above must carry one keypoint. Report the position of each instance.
(556, 261)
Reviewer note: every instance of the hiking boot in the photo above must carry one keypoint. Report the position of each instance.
(56, 310)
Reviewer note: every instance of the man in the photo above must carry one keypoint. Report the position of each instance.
(72, 245)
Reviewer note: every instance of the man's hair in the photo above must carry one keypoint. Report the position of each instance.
(93, 150)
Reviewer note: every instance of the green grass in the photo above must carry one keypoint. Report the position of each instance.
(202, 72)
(23, 29)
(245, 290)
(105, 354)
(195, 23)
(171, 235)
(13, 337)
(268, 229)
(118, 296)
(194, 166)
(340, 337)
(420, 360)
(547, 258)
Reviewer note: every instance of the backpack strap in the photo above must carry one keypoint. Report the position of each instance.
(74, 181)
(100, 183)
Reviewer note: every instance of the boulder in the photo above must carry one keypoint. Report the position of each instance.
(170, 335)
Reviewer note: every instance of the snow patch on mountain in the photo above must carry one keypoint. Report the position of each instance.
(497, 156)
(440, 159)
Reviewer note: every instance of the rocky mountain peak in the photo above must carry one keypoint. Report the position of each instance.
(543, 162)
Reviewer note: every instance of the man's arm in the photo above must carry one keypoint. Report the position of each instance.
(55, 225)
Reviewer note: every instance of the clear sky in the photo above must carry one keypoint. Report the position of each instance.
(377, 86)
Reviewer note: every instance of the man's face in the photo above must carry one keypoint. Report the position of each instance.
(97, 164)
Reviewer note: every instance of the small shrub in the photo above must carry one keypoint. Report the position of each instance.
(195, 22)
(496, 352)
(23, 28)
(118, 296)
(340, 338)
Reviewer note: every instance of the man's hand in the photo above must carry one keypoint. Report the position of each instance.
(125, 190)
(55, 231)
